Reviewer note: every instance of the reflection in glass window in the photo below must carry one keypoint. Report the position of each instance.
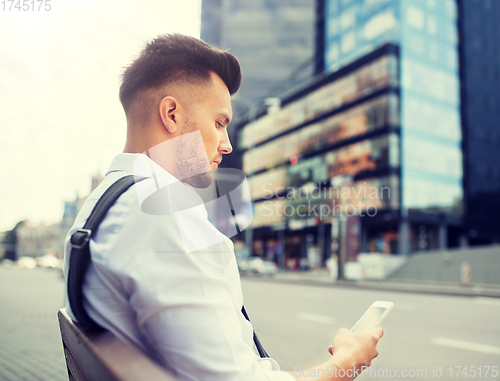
(415, 17)
(427, 194)
(416, 44)
(348, 18)
(357, 121)
(432, 51)
(451, 9)
(313, 170)
(348, 42)
(428, 157)
(334, 7)
(430, 119)
(452, 58)
(268, 213)
(367, 155)
(333, 52)
(372, 5)
(380, 193)
(393, 150)
(267, 184)
(367, 79)
(333, 26)
(431, 25)
(379, 24)
(434, 83)
(370, 194)
(348, 161)
(451, 33)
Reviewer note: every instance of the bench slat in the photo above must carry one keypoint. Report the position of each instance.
(100, 356)
(73, 369)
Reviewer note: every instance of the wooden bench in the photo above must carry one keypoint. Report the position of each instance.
(100, 356)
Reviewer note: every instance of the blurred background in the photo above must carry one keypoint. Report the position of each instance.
(368, 130)
(383, 115)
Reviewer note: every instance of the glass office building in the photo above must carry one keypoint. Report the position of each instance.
(430, 129)
(401, 115)
(381, 123)
(331, 151)
(479, 32)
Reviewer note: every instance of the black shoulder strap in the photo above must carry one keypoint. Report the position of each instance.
(80, 256)
(260, 348)
(80, 253)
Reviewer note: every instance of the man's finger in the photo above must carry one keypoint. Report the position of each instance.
(378, 332)
(343, 331)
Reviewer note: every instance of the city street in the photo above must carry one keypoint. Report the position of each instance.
(295, 323)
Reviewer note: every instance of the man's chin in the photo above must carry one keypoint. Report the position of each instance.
(201, 180)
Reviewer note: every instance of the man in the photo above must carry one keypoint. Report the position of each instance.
(162, 277)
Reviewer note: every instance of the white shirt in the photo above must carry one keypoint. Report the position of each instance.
(149, 287)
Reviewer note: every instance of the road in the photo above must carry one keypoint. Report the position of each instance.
(296, 323)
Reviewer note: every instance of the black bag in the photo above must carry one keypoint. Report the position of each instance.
(80, 256)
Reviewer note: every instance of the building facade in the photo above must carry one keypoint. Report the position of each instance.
(480, 82)
(426, 33)
(271, 38)
(35, 240)
(380, 121)
(326, 167)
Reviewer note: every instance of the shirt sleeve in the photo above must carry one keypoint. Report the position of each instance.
(188, 310)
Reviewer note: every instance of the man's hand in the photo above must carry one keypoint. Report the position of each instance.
(355, 350)
(350, 353)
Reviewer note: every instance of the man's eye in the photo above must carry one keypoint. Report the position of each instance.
(219, 124)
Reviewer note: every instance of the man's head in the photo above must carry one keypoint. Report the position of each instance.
(179, 90)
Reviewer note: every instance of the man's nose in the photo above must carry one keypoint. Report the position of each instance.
(225, 145)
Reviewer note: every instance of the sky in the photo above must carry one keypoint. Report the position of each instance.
(60, 118)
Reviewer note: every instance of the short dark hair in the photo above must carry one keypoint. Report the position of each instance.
(175, 57)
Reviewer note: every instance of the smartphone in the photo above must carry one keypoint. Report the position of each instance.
(373, 316)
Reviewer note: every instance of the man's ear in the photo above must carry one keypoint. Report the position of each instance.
(168, 111)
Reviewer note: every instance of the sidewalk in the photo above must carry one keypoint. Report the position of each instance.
(320, 277)
(30, 340)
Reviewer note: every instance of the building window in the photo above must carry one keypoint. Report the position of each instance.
(379, 24)
(415, 17)
(431, 25)
(348, 18)
(433, 51)
(348, 42)
(333, 27)
(333, 53)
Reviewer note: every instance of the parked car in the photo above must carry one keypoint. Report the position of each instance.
(257, 266)
(26, 262)
(8, 263)
(49, 261)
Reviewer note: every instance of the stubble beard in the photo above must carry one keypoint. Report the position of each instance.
(189, 160)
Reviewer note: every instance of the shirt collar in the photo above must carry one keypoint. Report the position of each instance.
(124, 162)
(141, 165)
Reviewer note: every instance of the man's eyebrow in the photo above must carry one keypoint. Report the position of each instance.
(225, 116)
